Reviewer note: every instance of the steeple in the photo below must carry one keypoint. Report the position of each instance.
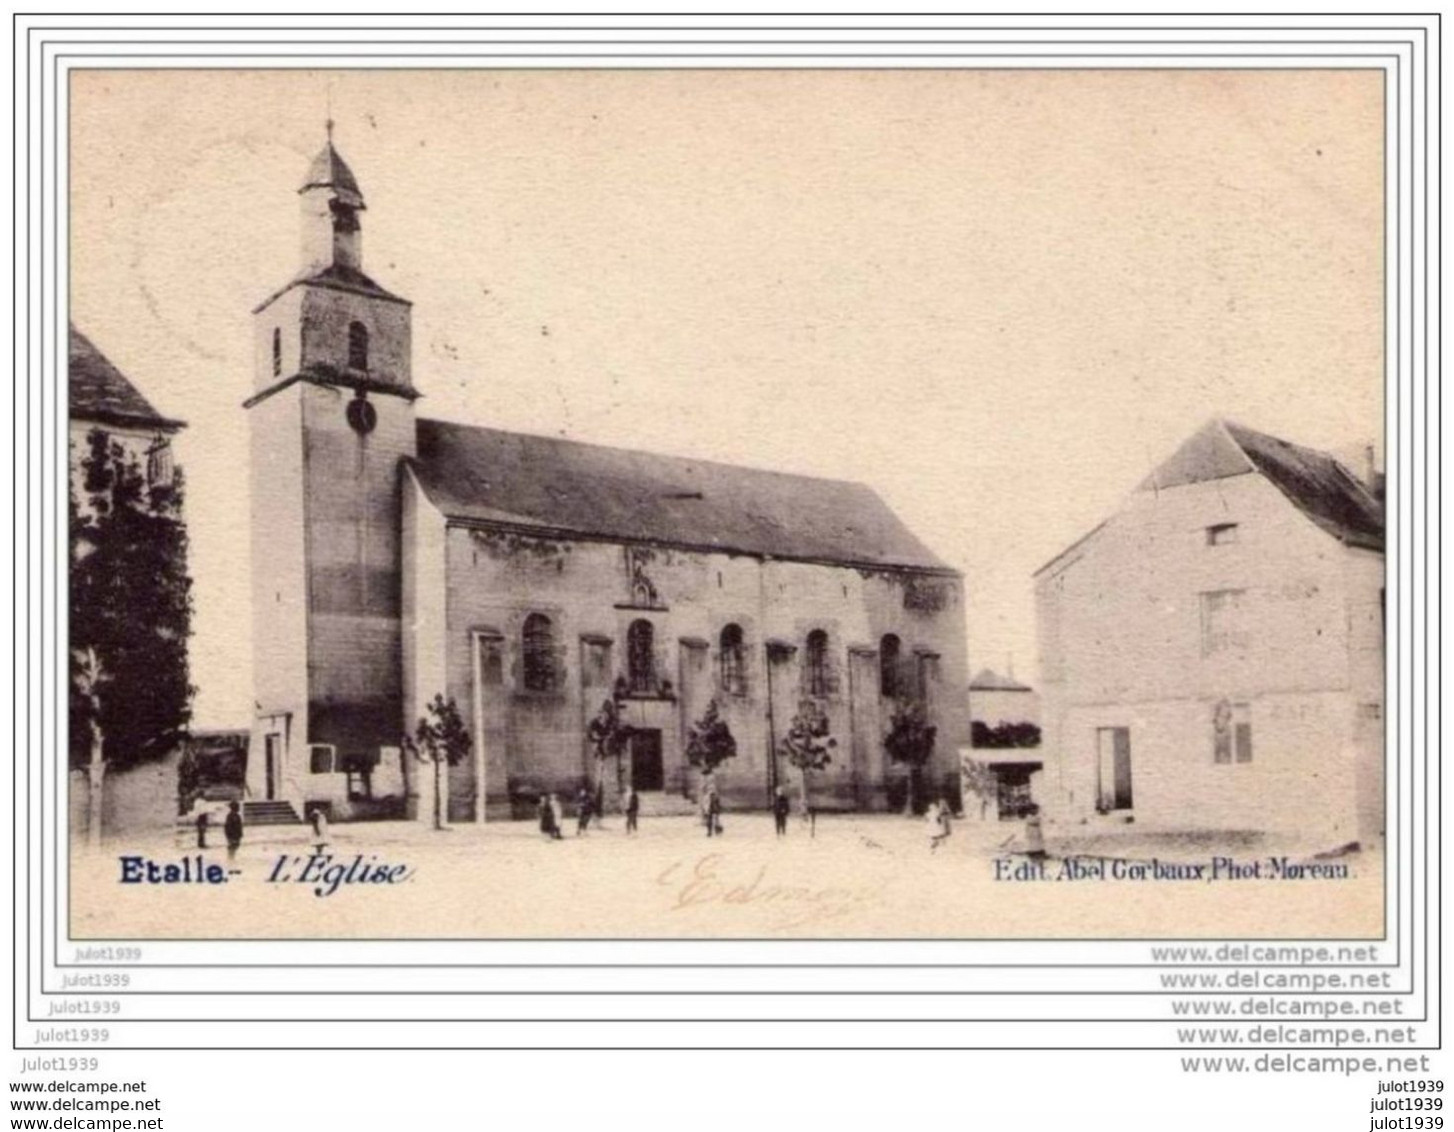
(331, 322)
(330, 421)
(331, 203)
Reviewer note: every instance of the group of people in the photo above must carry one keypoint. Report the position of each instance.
(231, 828)
(588, 805)
(938, 817)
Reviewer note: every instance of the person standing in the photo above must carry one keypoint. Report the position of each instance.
(633, 808)
(202, 821)
(557, 817)
(584, 803)
(808, 812)
(937, 817)
(543, 812)
(232, 829)
(319, 820)
(709, 817)
(781, 807)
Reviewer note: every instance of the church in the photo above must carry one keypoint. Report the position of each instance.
(544, 584)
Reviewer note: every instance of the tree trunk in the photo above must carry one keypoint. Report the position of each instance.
(96, 778)
(438, 815)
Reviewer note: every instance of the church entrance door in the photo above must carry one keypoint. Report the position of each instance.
(646, 770)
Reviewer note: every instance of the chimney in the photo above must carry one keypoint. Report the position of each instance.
(1372, 476)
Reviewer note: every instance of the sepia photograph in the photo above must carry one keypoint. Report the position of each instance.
(915, 504)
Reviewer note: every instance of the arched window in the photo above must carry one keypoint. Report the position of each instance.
(537, 646)
(277, 352)
(816, 663)
(734, 675)
(358, 346)
(640, 662)
(889, 684)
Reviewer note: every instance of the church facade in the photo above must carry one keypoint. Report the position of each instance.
(545, 585)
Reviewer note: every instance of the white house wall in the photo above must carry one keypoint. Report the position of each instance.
(279, 590)
(423, 611)
(1122, 645)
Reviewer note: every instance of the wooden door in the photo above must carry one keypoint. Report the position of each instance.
(646, 769)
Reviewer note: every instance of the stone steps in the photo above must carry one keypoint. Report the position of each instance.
(270, 813)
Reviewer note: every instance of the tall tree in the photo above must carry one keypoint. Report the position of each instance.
(709, 741)
(609, 736)
(440, 739)
(808, 746)
(910, 741)
(131, 609)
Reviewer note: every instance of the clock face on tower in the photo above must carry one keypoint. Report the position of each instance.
(362, 417)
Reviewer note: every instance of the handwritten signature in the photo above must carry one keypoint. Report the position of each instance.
(708, 883)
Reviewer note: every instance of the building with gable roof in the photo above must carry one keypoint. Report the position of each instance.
(102, 398)
(1212, 655)
(996, 700)
(542, 583)
(106, 409)
(1002, 765)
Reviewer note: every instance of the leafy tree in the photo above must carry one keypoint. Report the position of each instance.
(709, 741)
(983, 783)
(808, 746)
(609, 736)
(440, 739)
(131, 610)
(910, 741)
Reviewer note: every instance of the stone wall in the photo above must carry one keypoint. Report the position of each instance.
(138, 804)
(532, 740)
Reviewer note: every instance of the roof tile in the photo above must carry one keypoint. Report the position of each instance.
(588, 489)
(100, 392)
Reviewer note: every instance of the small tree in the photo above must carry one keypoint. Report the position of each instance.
(910, 741)
(709, 741)
(439, 738)
(808, 746)
(609, 736)
(983, 783)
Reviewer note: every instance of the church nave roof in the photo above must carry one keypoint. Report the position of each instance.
(565, 486)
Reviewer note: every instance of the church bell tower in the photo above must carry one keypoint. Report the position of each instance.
(331, 418)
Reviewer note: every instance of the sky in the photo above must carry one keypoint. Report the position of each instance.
(999, 298)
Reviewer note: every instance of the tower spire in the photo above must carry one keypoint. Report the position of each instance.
(331, 201)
